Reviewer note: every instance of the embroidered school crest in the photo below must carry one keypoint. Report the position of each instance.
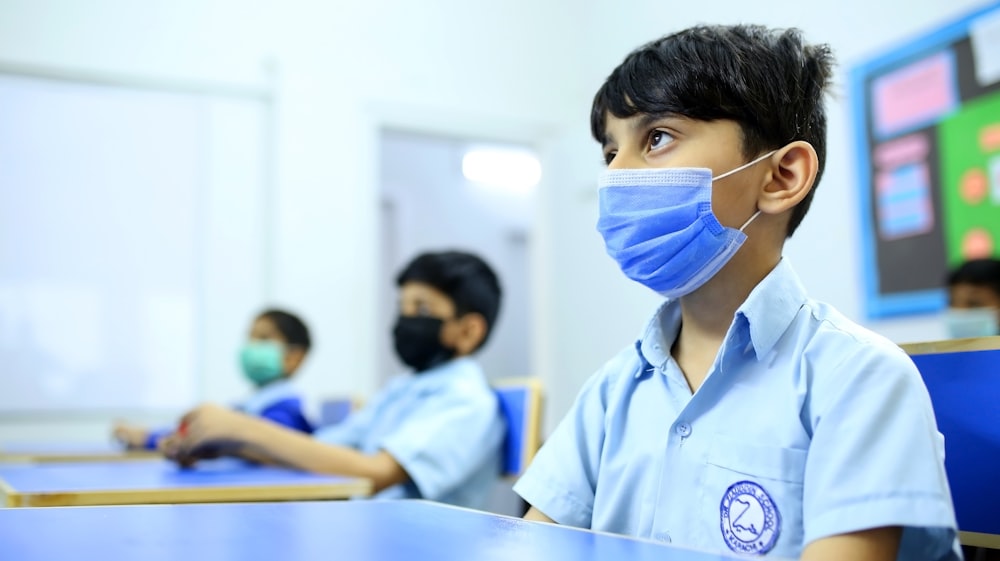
(750, 520)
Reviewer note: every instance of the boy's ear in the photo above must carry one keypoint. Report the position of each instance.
(472, 330)
(793, 171)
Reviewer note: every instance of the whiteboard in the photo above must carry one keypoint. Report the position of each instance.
(132, 243)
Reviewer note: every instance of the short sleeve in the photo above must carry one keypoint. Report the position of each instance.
(876, 457)
(352, 430)
(562, 478)
(288, 413)
(448, 438)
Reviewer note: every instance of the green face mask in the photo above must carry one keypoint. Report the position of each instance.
(262, 361)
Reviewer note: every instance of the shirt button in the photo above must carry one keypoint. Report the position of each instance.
(683, 429)
(662, 536)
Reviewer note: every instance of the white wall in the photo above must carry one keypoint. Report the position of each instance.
(147, 44)
(340, 71)
(517, 69)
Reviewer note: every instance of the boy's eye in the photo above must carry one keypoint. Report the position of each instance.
(659, 139)
(609, 157)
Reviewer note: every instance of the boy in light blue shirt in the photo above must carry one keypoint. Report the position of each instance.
(747, 418)
(278, 344)
(435, 433)
(422, 421)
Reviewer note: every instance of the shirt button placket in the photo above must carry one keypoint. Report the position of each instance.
(683, 429)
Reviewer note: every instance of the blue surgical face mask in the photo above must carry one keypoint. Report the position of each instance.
(659, 226)
(972, 322)
(262, 361)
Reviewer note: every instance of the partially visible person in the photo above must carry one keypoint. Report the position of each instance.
(974, 311)
(434, 433)
(277, 346)
(974, 299)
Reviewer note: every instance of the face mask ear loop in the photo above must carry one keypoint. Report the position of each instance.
(747, 223)
(744, 166)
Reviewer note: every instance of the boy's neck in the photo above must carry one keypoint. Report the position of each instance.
(707, 314)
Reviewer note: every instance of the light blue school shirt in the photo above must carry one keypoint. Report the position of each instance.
(807, 426)
(443, 426)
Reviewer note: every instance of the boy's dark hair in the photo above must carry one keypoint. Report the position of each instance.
(981, 272)
(768, 81)
(292, 328)
(465, 278)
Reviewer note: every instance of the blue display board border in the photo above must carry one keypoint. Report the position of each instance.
(878, 305)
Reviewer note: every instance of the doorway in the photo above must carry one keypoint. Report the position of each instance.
(429, 203)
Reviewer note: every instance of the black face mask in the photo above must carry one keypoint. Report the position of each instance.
(418, 342)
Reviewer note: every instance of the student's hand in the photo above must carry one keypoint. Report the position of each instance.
(208, 431)
(130, 436)
(169, 446)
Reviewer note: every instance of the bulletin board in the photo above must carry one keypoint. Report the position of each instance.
(927, 125)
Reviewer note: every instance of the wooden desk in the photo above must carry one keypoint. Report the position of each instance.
(351, 530)
(162, 482)
(72, 452)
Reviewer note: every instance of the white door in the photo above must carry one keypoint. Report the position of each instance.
(429, 205)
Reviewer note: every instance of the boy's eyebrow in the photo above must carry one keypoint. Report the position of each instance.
(648, 119)
(643, 122)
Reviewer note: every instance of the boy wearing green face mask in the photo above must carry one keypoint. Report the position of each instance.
(434, 433)
(277, 346)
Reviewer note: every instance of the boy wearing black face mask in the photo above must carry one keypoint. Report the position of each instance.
(435, 434)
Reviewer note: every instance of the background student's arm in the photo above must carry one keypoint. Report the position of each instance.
(138, 438)
(453, 432)
(878, 544)
(218, 431)
(131, 436)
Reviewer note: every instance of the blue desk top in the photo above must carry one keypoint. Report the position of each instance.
(307, 531)
(151, 474)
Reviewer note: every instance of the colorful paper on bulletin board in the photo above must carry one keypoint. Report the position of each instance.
(970, 167)
(927, 120)
(916, 95)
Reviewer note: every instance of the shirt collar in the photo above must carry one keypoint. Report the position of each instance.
(768, 311)
(268, 395)
(656, 339)
(455, 367)
(772, 306)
